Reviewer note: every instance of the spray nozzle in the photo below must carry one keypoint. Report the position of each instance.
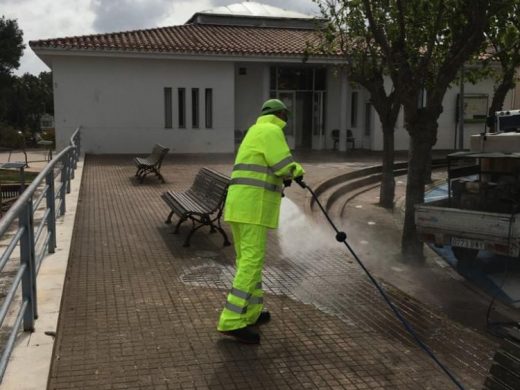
(300, 181)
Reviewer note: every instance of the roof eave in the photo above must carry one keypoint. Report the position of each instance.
(45, 52)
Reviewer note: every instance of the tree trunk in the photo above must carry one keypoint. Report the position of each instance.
(499, 96)
(420, 150)
(387, 190)
(428, 172)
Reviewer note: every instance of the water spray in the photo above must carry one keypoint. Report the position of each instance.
(342, 237)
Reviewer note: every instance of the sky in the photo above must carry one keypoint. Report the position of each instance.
(43, 19)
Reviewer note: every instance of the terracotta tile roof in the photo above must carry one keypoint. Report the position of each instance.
(193, 39)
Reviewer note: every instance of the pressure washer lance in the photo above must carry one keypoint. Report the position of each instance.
(342, 237)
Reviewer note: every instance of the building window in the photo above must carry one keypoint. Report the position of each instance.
(297, 78)
(195, 108)
(304, 89)
(209, 108)
(354, 109)
(320, 79)
(318, 126)
(168, 108)
(182, 107)
(47, 121)
(368, 118)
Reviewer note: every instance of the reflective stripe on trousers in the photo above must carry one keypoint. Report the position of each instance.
(245, 299)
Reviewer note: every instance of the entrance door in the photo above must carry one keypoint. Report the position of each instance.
(289, 99)
(303, 120)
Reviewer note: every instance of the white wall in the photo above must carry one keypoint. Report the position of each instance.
(249, 93)
(120, 104)
(447, 123)
(339, 115)
(333, 107)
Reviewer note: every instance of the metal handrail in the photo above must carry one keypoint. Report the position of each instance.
(28, 235)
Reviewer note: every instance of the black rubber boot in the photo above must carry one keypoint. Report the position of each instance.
(264, 318)
(244, 335)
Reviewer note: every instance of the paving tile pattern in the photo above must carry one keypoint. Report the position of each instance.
(139, 310)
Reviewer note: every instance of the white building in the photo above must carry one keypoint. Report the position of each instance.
(193, 87)
(47, 122)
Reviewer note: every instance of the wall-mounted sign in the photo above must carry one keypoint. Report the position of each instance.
(475, 108)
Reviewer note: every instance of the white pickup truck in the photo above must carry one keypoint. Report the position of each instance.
(482, 211)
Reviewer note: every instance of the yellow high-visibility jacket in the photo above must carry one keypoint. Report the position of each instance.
(262, 163)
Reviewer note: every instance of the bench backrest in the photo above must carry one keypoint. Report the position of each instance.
(9, 190)
(158, 153)
(210, 187)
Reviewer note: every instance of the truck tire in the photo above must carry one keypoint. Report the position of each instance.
(465, 256)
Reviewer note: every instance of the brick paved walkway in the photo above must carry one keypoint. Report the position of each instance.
(139, 310)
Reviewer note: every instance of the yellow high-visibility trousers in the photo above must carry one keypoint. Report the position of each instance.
(245, 300)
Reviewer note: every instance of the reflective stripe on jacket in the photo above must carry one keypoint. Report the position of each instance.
(263, 161)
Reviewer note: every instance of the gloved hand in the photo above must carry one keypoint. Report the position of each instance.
(297, 170)
(300, 181)
(287, 182)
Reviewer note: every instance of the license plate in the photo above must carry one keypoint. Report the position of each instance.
(467, 243)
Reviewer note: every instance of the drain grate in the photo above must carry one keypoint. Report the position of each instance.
(505, 371)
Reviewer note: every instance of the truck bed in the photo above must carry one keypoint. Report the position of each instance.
(442, 224)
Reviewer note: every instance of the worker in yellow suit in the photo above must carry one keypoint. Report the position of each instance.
(263, 163)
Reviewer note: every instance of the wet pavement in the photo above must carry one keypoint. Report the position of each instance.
(376, 235)
(139, 310)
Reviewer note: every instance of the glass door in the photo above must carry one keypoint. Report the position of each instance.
(289, 99)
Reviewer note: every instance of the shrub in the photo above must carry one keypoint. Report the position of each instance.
(49, 135)
(11, 138)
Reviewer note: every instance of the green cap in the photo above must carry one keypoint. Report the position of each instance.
(272, 106)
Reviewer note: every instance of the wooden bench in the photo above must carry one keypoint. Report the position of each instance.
(152, 163)
(203, 203)
(47, 144)
(350, 139)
